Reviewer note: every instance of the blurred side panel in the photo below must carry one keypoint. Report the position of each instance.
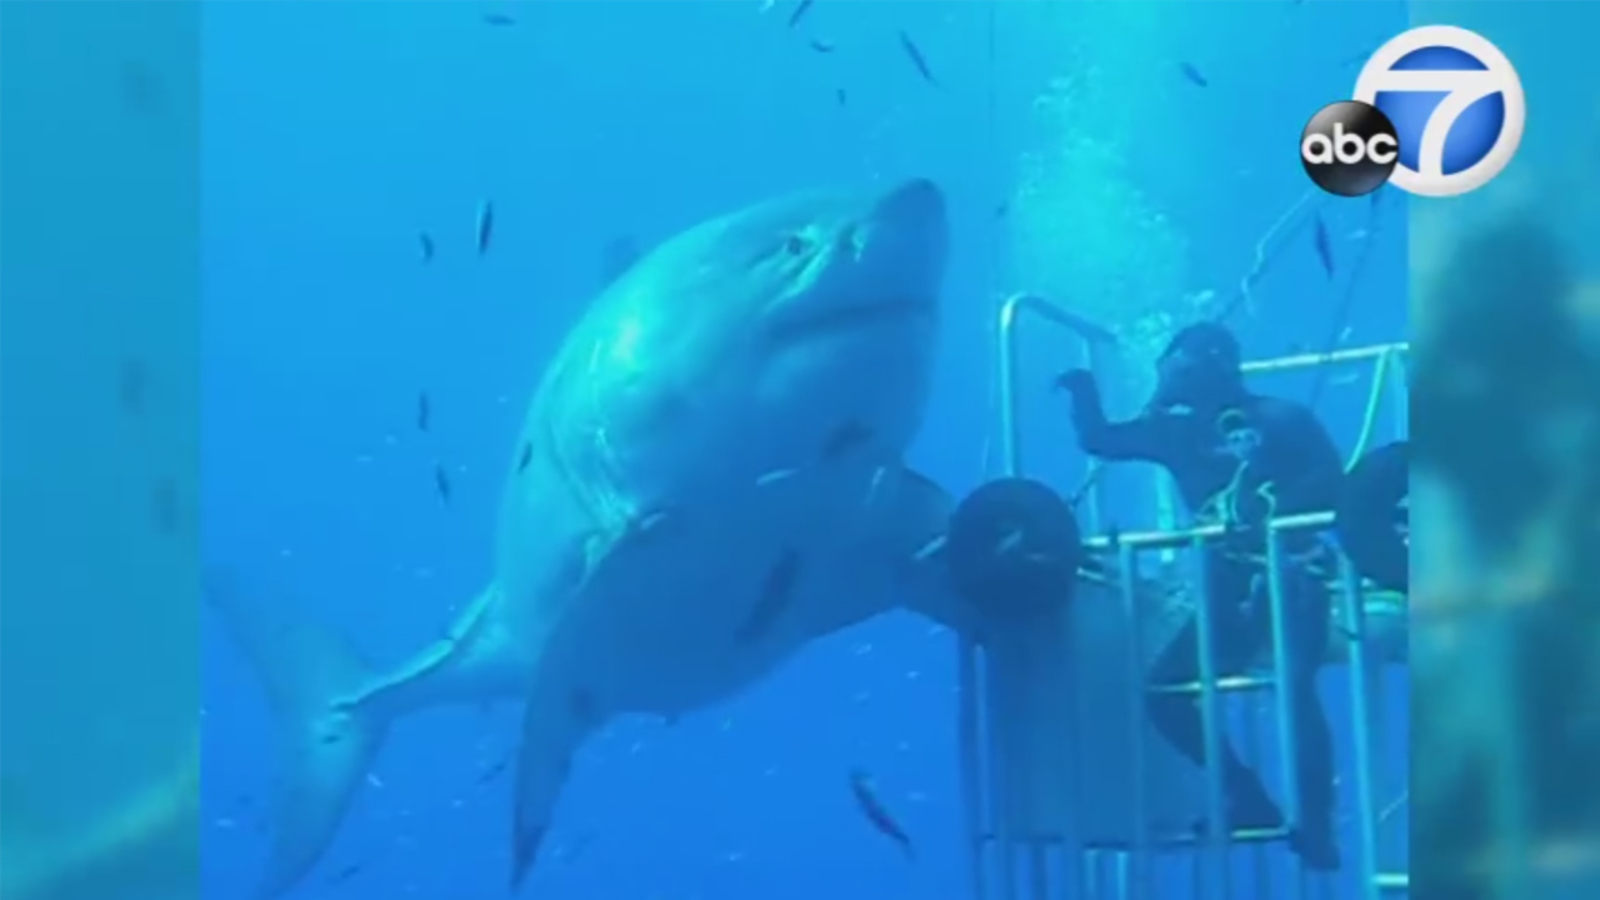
(99, 543)
(1506, 422)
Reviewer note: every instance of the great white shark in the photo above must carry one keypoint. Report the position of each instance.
(710, 476)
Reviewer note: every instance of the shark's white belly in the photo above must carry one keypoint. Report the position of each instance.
(690, 613)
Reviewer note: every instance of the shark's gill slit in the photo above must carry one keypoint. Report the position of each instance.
(848, 318)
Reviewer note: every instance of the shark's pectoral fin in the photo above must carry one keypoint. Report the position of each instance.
(558, 717)
(915, 529)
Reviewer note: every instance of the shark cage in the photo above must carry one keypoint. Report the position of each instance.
(1069, 792)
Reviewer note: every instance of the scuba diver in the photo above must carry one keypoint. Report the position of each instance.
(1240, 459)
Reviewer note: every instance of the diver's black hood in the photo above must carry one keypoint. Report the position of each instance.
(1200, 367)
(1207, 341)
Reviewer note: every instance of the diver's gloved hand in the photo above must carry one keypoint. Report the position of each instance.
(1079, 383)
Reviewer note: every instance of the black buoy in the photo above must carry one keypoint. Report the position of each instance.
(1372, 517)
(1014, 548)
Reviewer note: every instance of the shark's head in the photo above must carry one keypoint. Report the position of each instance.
(797, 322)
(826, 266)
(811, 271)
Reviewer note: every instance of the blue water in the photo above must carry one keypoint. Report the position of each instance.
(335, 133)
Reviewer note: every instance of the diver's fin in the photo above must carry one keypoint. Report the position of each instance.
(327, 746)
(557, 719)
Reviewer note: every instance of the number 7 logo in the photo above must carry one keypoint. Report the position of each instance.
(1456, 105)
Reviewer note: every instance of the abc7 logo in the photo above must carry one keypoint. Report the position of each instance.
(1349, 148)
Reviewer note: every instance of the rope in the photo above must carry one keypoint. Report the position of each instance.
(992, 116)
(1341, 316)
(1265, 253)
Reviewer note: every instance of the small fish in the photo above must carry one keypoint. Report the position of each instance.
(841, 97)
(345, 874)
(800, 10)
(425, 247)
(648, 522)
(1192, 75)
(914, 53)
(525, 457)
(775, 476)
(1324, 246)
(931, 548)
(485, 226)
(494, 771)
(871, 807)
(1009, 543)
(441, 483)
(1394, 806)
(844, 438)
(424, 412)
(879, 475)
(1002, 210)
(499, 20)
(776, 593)
(821, 46)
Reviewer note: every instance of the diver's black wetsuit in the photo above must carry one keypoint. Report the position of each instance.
(1241, 459)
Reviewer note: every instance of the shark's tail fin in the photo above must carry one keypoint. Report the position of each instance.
(313, 678)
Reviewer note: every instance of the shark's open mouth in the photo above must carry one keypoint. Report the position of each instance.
(858, 315)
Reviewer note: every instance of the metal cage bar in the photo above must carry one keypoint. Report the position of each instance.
(1091, 338)
(1366, 790)
(1288, 713)
(1136, 863)
(1124, 872)
(1217, 834)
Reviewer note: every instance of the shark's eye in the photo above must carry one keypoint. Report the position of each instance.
(796, 244)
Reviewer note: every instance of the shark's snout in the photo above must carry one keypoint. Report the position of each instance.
(917, 200)
(880, 263)
(909, 240)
